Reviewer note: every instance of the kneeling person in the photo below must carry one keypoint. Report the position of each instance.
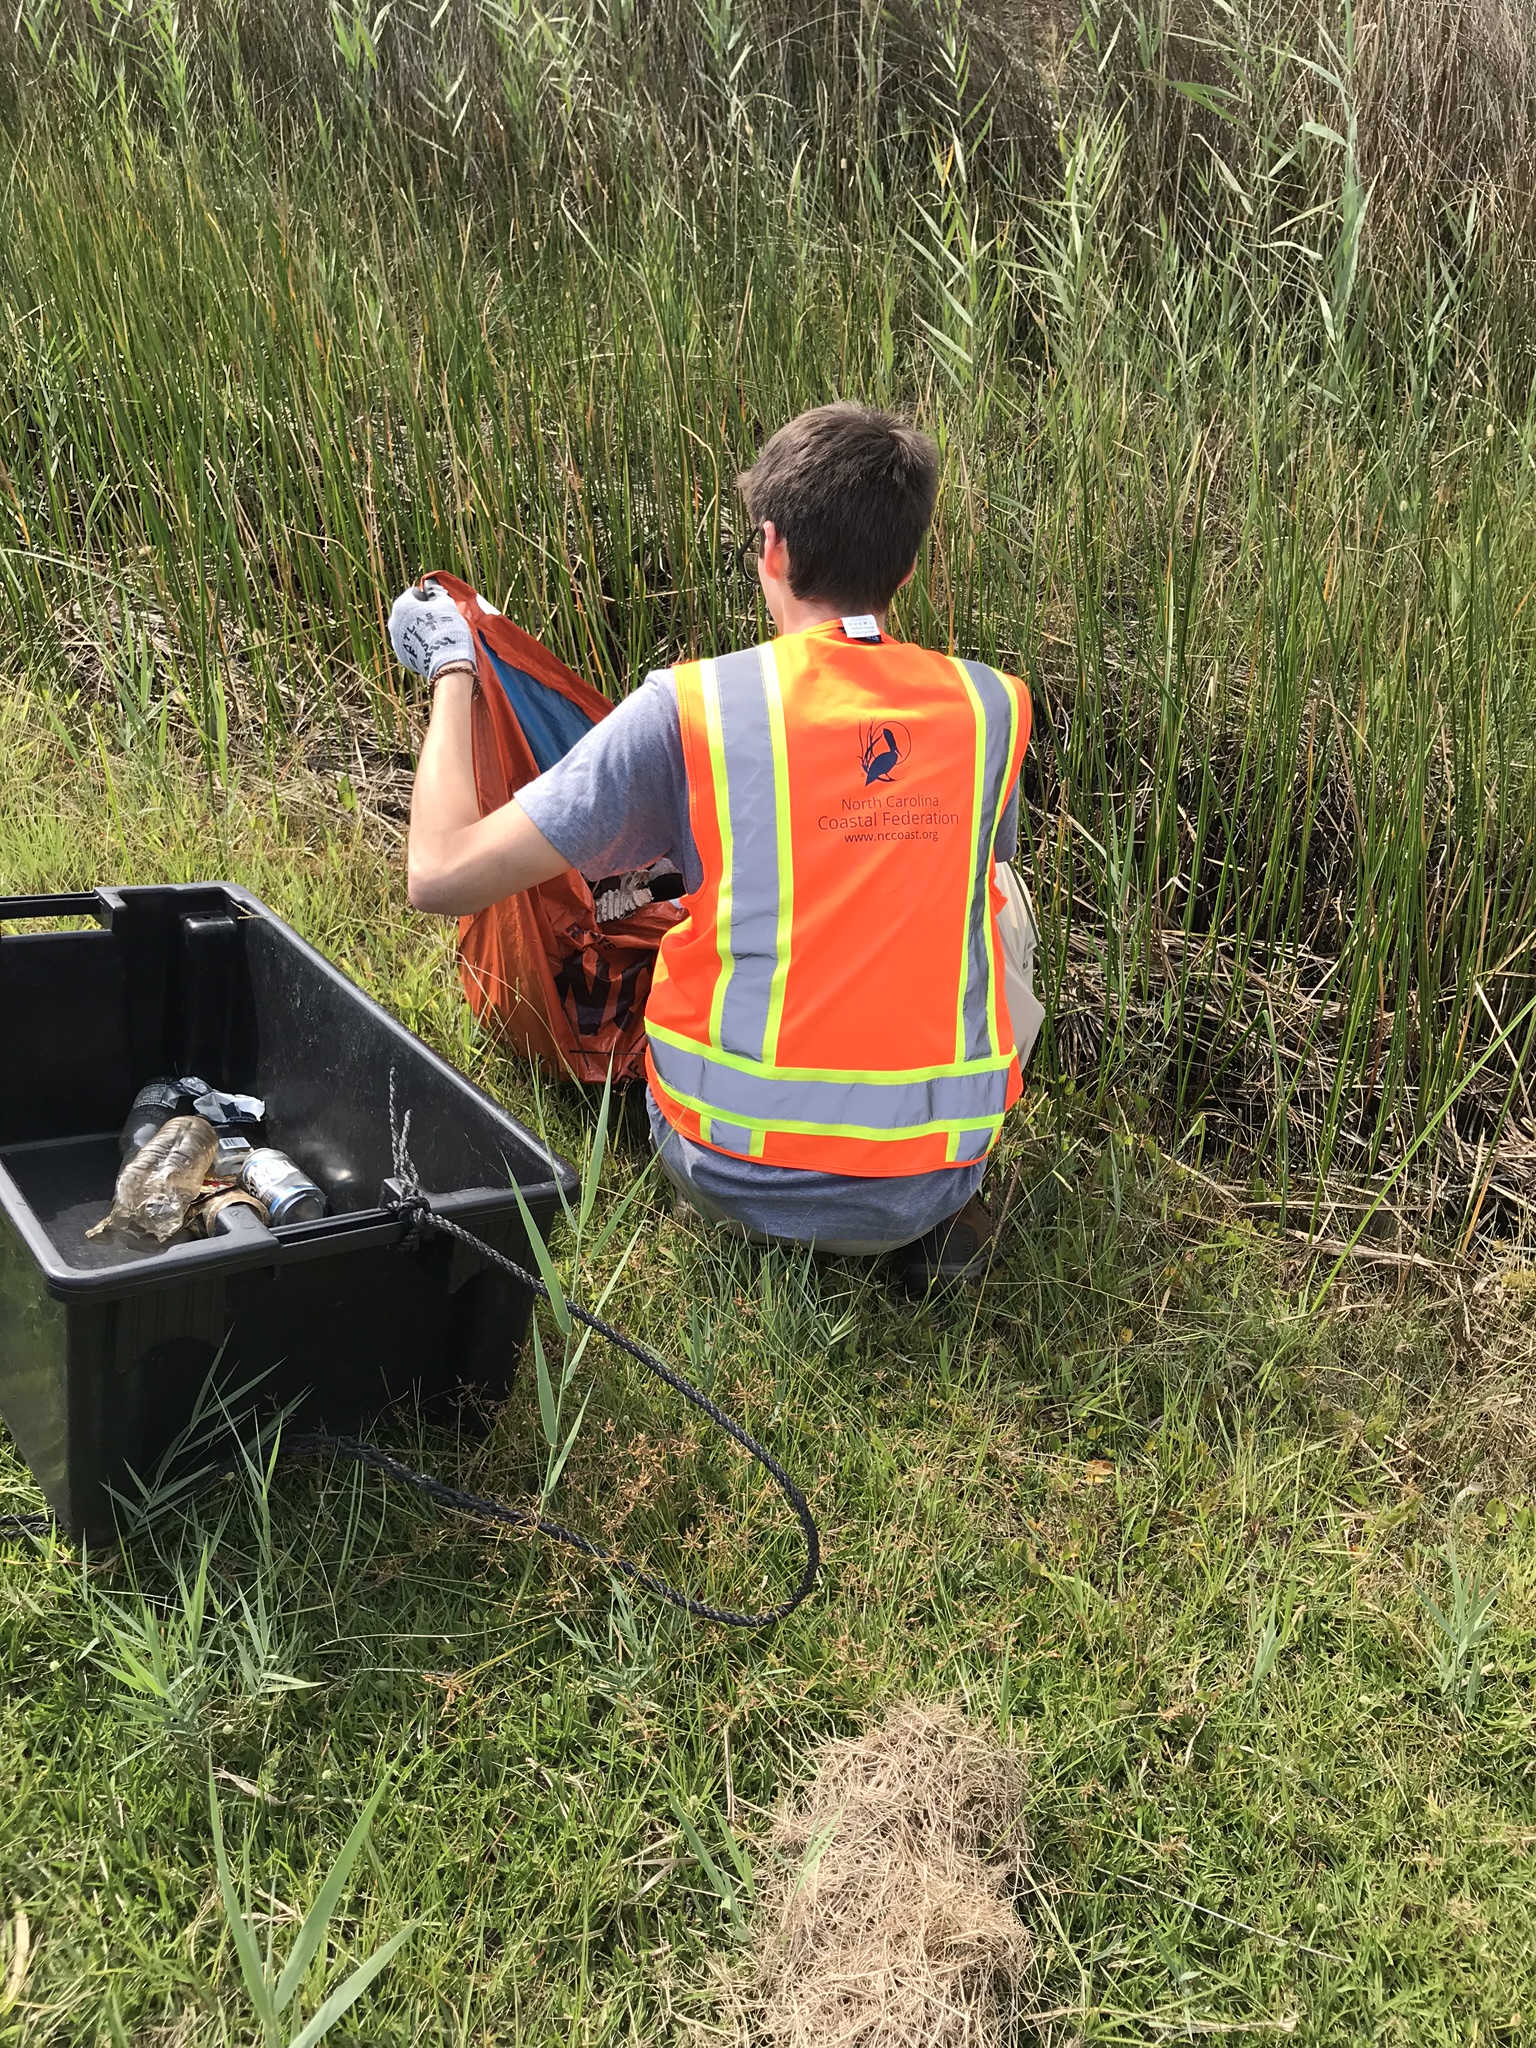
(830, 1046)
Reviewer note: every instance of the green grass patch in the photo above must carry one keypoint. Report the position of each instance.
(1135, 1505)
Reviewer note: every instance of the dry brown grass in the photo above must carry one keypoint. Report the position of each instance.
(1447, 88)
(1443, 93)
(889, 1921)
(1442, 90)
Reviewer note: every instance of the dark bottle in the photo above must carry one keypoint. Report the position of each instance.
(155, 1104)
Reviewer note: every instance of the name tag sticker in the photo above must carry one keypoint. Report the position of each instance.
(863, 626)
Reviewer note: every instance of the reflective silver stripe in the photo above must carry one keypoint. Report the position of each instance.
(747, 744)
(728, 1136)
(971, 1145)
(781, 1100)
(997, 706)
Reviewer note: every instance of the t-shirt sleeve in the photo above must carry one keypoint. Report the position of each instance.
(619, 799)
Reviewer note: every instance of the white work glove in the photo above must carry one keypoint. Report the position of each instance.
(618, 896)
(427, 631)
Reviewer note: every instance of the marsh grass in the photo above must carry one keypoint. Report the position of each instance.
(1243, 487)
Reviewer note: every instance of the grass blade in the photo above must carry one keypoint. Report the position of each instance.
(307, 1942)
(350, 1989)
(241, 1931)
(546, 1266)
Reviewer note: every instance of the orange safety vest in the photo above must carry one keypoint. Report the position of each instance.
(833, 998)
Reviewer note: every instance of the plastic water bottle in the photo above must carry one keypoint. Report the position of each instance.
(159, 1184)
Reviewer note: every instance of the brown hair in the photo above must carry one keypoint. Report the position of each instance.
(850, 492)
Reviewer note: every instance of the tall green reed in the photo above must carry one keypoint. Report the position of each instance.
(1252, 516)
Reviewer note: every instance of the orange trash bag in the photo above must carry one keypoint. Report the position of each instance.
(562, 985)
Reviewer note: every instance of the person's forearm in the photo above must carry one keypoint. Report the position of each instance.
(444, 797)
(457, 861)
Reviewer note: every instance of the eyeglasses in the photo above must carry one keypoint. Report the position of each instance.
(747, 552)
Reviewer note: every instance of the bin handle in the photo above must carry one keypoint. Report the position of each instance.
(77, 903)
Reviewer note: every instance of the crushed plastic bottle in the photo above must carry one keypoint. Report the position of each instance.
(159, 1184)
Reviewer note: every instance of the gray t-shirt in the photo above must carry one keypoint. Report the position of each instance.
(619, 800)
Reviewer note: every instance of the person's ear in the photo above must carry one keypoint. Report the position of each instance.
(775, 555)
(909, 575)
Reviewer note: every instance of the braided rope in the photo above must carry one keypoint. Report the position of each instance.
(416, 1217)
(37, 1523)
(416, 1213)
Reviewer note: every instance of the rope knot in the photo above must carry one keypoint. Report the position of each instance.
(402, 1191)
(407, 1201)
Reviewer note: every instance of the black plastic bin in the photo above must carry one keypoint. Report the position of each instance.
(105, 1348)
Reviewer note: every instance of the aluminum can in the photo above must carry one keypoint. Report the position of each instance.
(285, 1190)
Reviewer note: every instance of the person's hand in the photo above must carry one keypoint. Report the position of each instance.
(428, 632)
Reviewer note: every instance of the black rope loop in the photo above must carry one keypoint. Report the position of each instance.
(694, 1396)
(35, 1522)
(417, 1217)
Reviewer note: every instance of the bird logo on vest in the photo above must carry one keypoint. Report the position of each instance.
(885, 745)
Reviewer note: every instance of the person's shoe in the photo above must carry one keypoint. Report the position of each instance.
(956, 1251)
